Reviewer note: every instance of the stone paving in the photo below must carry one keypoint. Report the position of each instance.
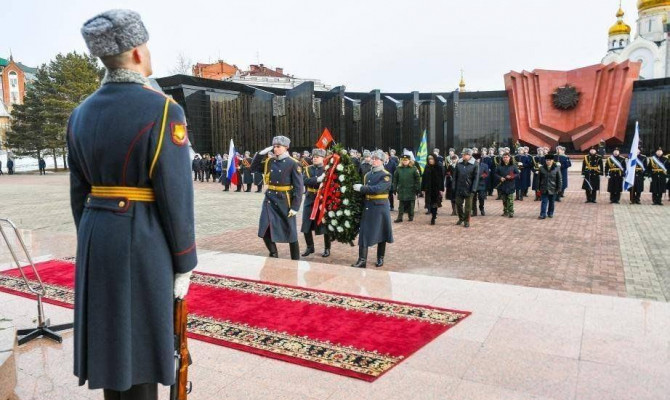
(603, 248)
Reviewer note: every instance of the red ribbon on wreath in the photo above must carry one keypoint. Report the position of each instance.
(325, 190)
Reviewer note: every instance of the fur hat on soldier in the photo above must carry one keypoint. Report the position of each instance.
(281, 140)
(114, 32)
(318, 153)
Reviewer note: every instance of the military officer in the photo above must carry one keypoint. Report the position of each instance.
(657, 168)
(592, 169)
(305, 160)
(615, 171)
(245, 171)
(131, 196)
(313, 175)
(564, 163)
(376, 226)
(283, 196)
(366, 163)
(640, 173)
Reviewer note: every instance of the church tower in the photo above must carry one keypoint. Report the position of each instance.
(619, 34)
(649, 46)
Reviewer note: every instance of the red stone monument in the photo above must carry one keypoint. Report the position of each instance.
(581, 106)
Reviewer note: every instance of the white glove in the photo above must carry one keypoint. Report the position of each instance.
(607, 176)
(181, 282)
(321, 178)
(292, 213)
(357, 187)
(558, 164)
(265, 150)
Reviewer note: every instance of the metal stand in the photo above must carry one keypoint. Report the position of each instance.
(43, 329)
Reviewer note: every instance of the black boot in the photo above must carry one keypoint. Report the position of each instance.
(326, 244)
(381, 251)
(309, 240)
(453, 209)
(248, 187)
(295, 250)
(362, 257)
(399, 219)
(432, 220)
(481, 211)
(411, 218)
(271, 246)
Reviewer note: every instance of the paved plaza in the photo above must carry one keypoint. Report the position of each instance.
(569, 308)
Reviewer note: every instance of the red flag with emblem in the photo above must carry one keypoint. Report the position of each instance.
(325, 140)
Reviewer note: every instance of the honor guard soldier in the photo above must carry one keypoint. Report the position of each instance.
(563, 162)
(640, 173)
(283, 196)
(615, 171)
(245, 171)
(305, 160)
(657, 167)
(132, 200)
(592, 169)
(313, 175)
(376, 226)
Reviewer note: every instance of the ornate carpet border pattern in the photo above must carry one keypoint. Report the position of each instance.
(369, 363)
(53, 292)
(405, 311)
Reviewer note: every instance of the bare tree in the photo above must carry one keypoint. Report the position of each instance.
(183, 65)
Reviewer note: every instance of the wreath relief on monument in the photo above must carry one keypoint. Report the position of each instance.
(565, 97)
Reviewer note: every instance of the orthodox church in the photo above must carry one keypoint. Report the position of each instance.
(650, 42)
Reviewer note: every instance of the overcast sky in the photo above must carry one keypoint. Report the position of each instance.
(395, 46)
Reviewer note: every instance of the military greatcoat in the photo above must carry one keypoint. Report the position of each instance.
(284, 192)
(592, 169)
(311, 173)
(376, 226)
(131, 195)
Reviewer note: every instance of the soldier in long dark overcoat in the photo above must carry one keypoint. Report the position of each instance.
(245, 171)
(592, 169)
(657, 168)
(282, 198)
(376, 226)
(313, 175)
(640, 173)
(132, 200)
(563, 162)
(615, 171)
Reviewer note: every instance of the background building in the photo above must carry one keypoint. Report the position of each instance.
(14, 79)
(650, 43)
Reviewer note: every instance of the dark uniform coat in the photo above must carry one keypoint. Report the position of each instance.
(537, 162)
(364, 168)
(505, 171)
(565, 165)
(245, 171)
(488, 160)
(449, 194)
(128, 251)
(592, 168)
(310, 175)
(640, 173)
(376, 226)
(224, 173)
(282, 173)
(484, 173)
(657, 173)
(616, 175)
(524, 164)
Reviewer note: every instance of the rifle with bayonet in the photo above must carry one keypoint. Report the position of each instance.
(182, 386)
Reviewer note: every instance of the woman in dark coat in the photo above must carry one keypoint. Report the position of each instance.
(432, 186)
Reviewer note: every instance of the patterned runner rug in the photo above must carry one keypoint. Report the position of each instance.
(355, 336)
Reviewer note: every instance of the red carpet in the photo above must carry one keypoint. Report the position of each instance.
(355, 336)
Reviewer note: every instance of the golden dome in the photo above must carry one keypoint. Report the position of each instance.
(620, 27)
(647, 4)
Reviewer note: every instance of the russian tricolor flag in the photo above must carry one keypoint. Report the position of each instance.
(231, 174)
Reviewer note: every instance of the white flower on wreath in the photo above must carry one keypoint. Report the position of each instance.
(347, 224)
(339, 213)
(340, 168)
(331, 214)
(326, 168)
(347, 213)
(333, 222)
(331, 161)
(345, 202)
(343, 152)
(342, 178)
(343, 189)
(330, 228)
(339, 229)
